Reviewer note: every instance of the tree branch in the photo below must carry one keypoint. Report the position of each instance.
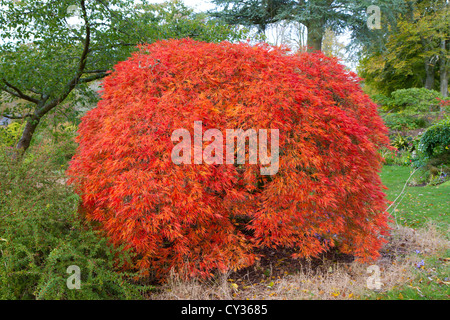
(93, 77)
(35, 91)
(16, 117)
(95, 71)
(17, 92)
(76, 79)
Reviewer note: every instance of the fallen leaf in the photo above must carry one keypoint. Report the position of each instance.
(335, 294)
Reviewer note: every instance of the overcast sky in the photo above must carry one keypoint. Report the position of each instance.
(199, 5)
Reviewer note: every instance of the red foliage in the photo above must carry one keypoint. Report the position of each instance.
(198, 218)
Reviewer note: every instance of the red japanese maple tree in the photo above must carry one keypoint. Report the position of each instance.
(197, 218)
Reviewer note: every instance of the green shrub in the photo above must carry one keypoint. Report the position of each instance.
(401, 143)
(430, 174)
(10, 134)
(402, 122)
(384, 101)
(63, 145)
(406, 153)
(414, 99)
(42, 234)
(436, 140)
(397, 158)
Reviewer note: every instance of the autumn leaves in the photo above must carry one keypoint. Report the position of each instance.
(162, 162)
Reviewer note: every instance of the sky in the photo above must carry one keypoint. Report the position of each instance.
(198, 5)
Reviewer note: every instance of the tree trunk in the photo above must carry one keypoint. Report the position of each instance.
(27, 134)
(444, 83)
(444, 70)
(315, 35)
(314, 42)
(429, 69)
(429, 63)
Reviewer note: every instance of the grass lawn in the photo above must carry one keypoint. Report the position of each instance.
(418, 204)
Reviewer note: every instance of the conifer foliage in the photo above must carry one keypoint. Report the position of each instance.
(197, 218)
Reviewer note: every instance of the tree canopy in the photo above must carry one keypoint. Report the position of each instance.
(44, 57)
(316, 15)
(416, 52)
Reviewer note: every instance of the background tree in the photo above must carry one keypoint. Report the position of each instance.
(331, 46)
(287, 33)
(416, 53)
(45, 59)
(316, 15)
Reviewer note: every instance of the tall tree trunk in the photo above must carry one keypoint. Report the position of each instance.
(430, 61)
(430, 71)
(444, 82)
(316, 30)
(314, 42)
(444, 69)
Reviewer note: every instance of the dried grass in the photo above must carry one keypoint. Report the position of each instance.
(331, 281)
(179, 289)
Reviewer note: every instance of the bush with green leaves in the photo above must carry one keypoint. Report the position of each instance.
(405, 153)
(397, 158)
(383, 101)
(414, 99)
(10, 134)
(436, 140)
(401, 143)
(60, 142)
(402, 121)
(42, 234)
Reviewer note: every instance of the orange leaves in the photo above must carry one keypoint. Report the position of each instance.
(198, 218)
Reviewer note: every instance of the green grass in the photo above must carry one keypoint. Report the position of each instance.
(418, 204)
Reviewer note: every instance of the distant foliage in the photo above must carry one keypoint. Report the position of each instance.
(401, 121)
(200, 218)
(10, 134)
(417, 99)
(413, 99)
